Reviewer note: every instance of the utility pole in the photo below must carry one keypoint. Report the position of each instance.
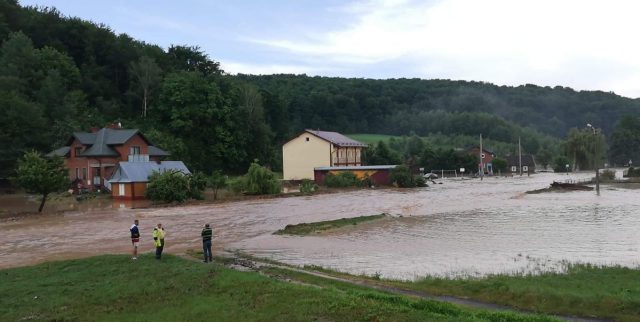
(595, 156)
(519, 156)
(481, 163)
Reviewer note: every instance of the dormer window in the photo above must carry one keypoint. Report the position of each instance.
(78, 151)
(134, 150)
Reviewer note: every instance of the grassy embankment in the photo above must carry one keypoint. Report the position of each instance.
(317, 227)
(583, 290)
(117, 289)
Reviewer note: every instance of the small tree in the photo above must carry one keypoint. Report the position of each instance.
(217, 180)
(42, 176)
(401, 176)
(261, 181)
(197, 184)
(168, 186)
(560, 164)
(499, 164)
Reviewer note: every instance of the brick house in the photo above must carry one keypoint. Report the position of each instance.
(92, 157)
(487, 158)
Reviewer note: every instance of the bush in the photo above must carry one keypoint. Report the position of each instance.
(401, 176)
(341, 180)
(560, 164)
(168, 186)
(633, 172)
(261, 181)
(197, 184)
(216, 181)
(420, 181)
(237, 185)
(608, 175)
(308, 187)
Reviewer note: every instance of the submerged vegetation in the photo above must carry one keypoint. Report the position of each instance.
(317, 227)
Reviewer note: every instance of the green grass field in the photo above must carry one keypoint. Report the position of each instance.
(114, 288)
(371, 138)
(604, 292)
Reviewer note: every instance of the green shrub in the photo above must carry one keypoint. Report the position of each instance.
(261, 181)
(168, 186)
(560, 164)
(216, 181)
(237, 185)
(401, 176)
(341, 180)
(197, 184)
(308, 187)
(633, 172)
(420, 181)
(608, 175)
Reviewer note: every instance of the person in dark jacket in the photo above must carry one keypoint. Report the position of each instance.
(207, 234)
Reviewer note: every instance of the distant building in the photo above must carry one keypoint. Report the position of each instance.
(312, 149)
(92, 157)
(528, 164)
(487, 158)
(130, 179)
(380, 175)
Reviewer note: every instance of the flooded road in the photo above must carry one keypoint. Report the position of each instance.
(459, 228)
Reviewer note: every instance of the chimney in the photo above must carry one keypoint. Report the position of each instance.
(94, 129)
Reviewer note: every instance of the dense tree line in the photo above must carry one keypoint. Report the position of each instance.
(61, 74)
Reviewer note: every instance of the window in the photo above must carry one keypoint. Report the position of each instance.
(307, 139)
(77, 173)
(134, 150)
(84, 173)
(78, 151)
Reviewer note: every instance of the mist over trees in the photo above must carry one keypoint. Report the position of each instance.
(60, 74)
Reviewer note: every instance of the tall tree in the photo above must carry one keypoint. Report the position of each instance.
(147, 76)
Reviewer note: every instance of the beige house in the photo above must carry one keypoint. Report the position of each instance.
(313, 149)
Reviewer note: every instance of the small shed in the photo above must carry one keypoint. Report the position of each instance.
(378, 174)
(130, 179)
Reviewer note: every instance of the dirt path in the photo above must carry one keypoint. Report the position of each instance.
(252, 264)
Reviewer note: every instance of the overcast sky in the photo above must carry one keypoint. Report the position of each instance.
(583, 44)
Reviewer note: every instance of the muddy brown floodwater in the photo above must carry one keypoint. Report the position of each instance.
(458, 228)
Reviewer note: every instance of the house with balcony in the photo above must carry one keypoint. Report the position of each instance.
(314, 148)
(92, 157)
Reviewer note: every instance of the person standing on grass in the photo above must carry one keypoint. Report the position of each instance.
(158, 240)
(135, 238)
(207, 234)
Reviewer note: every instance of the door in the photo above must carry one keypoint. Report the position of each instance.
(121, 189)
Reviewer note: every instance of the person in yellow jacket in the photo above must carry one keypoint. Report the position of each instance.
(158, 240)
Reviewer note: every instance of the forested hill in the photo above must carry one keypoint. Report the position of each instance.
(61, 74)
(398, 106)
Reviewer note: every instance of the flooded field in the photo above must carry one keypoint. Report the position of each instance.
(458, 228)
